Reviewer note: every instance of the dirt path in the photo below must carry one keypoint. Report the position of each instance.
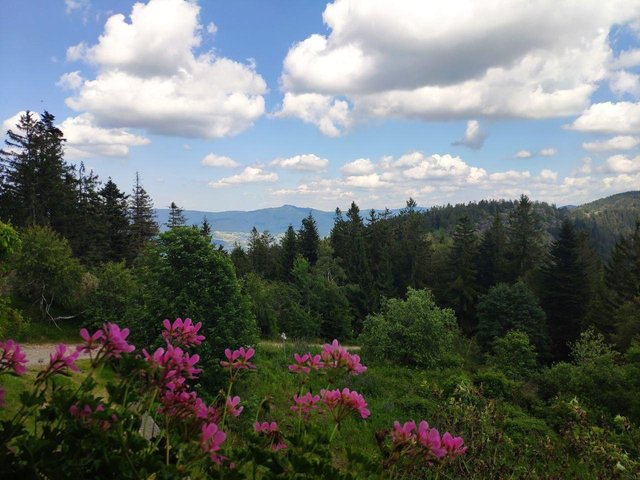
(38, 353)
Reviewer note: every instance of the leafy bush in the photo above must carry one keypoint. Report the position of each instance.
(410, 332)
(514, 355)
(511, 307)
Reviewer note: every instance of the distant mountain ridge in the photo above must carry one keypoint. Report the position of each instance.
(604, 219)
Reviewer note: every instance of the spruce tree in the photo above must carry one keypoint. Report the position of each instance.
(176, 216)
(116, 224)
(524, 238)
(309, 239)
(88, 235)
(205, 228)
(288, 252)
(492, 262)
(143, 226)
(622, 273)
(463, 287)
(565, 293)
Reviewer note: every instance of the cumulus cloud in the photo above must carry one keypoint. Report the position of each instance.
(361, 166)
(70, 80)
(306, 162)
(365, 181)
(213, 160)
(150, 77)
(623, 82)
(473, 136)
(85, 139)
(523, 154)
(248, 175)
(620, 142)
(609, 117)
(397, 59)
(628, 58)
(11, 122)
(621, 164)
(72, 5)
(547, 152)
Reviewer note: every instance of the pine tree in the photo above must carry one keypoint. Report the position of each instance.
(309, 239)
(622, 273)
(463, 288)
(143, 226)
(115, 220)
(565, 290)
(492, 262)
(176, 216)
(89, 232)
(288, 252)
(205, 228)
(524, 238)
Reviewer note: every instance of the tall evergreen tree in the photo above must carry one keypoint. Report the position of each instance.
(463, 287)
(524, 238)
(288, 252)
(115, 220)
(565, 293)
(143, 226)
(88, 236)
(309, 239)
(205, 228)
(176, 216)
(37, 186)
(622, 273)
(492, 262)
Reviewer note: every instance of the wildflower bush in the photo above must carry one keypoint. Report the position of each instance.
(153, 422)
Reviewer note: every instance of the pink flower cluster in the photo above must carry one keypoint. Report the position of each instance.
(425, 441)
(343, 403)
(12, 357)
(211, 439)
(238, 359)
(232, 406)
(183, 333)
(272, 431)
(61, 359)
(110, 341)
(305, 403)
(333, 355)
(86, 414)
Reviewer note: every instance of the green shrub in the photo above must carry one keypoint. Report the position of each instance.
(410, 332)
(514, 355)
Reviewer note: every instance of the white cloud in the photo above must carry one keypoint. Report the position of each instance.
(547, 175)
(212, 28)
(70, 81)
(330, 115)
(473, 137)
(547, 152)
(623, 82)
(365, 181)
(361, 166)
(248, 175)
(398, 59)
(444, 167)
(608, 117)
(621, 164)
(523, 154)
(150, 77)
(85, 139)
(76, 5)
(620, 142)
(628, 58)
(306, 162)
(213, 160)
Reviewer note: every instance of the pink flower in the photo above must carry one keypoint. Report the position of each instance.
(429, 438)
(182, 332)
(272, 432)
(238, 359)
(402, 435)
(453, 445)
(91, 342)
(211, 439)
(301, 363)
(12, 357)
(115, 340)
(60, 360)
(335, 355)
(305, 403)
(232, 406)
(341, 403)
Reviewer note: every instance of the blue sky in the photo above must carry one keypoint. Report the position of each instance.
(247, 104)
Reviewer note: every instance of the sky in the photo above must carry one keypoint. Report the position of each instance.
(246, 104)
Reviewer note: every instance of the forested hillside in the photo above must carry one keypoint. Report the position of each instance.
(505, 320)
